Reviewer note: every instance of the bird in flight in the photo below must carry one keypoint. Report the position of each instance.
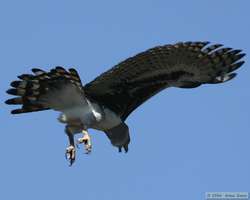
(106, 102)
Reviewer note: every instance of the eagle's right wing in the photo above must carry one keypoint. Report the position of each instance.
(58, 89)
(186, 64)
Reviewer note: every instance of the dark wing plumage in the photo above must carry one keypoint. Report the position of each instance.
(57, 89)
(186, 65)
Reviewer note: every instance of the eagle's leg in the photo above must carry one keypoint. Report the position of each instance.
(86, 140)
(70, 150)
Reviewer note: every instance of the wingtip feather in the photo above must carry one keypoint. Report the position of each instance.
(11, 91)
(17, 111)
(14, 101)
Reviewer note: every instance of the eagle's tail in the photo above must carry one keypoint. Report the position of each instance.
(119, 136)
(31, 87)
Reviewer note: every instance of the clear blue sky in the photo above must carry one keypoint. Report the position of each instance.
(198, 141)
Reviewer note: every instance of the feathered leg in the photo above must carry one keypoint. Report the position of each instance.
(70, 150)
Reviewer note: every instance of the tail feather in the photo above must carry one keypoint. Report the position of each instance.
(119, 136)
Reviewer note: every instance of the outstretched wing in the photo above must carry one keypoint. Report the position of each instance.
(186, 65)
(58, 89)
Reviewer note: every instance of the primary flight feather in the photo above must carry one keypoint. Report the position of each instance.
(106, 102)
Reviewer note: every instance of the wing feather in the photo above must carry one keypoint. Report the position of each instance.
(186, 65)
(56, 89)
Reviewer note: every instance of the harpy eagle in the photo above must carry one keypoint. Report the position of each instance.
(106, 102)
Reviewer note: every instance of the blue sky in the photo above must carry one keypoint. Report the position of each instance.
(184, 142)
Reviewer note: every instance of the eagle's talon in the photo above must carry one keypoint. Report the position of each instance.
(88, 148)
(70, 154)
(87, 143)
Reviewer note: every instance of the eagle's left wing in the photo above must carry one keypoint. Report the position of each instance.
(186, 65)
(57, 89)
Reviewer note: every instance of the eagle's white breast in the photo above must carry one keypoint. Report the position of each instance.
(91, 115)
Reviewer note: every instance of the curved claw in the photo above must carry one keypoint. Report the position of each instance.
(87, 143)
(70, 154)
(88, 148)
